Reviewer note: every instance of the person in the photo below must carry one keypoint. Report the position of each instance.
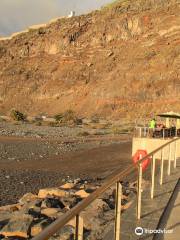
(152, 126)
(152, 123)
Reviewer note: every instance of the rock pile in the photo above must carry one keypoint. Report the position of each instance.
(33, 213)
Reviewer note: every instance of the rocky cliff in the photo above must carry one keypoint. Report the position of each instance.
(122, 61)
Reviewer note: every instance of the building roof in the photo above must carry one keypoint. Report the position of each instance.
(169, 115)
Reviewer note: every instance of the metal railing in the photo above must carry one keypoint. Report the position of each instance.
(145, 132)
(114, 178)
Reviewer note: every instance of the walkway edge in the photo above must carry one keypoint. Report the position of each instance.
(166, 213)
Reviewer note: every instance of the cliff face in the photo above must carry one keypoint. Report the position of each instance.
(122, 61)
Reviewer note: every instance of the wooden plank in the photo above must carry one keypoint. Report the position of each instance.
(139, 195)
(169, 161)
(79, 228)
(153, 177)
(162, 166)
(118, 211)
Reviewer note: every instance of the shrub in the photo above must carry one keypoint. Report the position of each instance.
(52, 124)
(119, 130)
(42, 30)
(58, 117)
(100, 133)
(83, 134)
(38, 123)
(95, 119)
(78, 121)
(116, 130)
(2, 120)
(17, 116)
(68, 117)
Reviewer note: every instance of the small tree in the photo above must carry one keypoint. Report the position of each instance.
(17, 116)
(58, 117)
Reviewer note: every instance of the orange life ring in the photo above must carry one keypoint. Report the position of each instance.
(138, 156)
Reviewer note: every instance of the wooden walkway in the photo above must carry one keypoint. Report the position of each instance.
(152, 210)
(173, 221)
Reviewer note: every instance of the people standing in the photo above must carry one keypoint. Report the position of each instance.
(152, 126)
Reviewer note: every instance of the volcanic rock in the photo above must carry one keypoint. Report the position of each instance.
(28, 197)
(81, 194)
(18, 226)
(53, 203)
(50, 212)
(38, 227)
(43, 193)
(67, 186)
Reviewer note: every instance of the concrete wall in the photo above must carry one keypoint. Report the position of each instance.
(150, 144)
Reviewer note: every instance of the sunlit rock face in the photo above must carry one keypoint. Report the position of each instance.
(122, 61)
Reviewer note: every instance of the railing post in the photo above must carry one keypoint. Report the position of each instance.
(162, 166)
(169, 161)
(153, 176)
(175, 154)
(145, 131)
(79, 228)
(139, 192)
(118, 211)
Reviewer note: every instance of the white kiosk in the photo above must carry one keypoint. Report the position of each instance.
(143, 141)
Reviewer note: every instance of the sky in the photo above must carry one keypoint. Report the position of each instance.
(17, 15)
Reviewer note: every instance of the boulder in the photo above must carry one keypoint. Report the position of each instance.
(38, 227)
(51, 212)
(35, 212)
(66, 233)
(99, 205)
(53, 203)
(4, 217)
(18, 226)
(13, 207)
(82, 186)
(30, 205)
(110, 201)
(47, 192)
(67, 186)
(81, 194)
(91, 214)
(65, 203)
(28, 197)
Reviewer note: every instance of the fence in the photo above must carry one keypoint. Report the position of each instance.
(144, 132)
(115, 178)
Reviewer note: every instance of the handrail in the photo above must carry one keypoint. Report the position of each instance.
(112, 179)
(62, 220)
(145, 131)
